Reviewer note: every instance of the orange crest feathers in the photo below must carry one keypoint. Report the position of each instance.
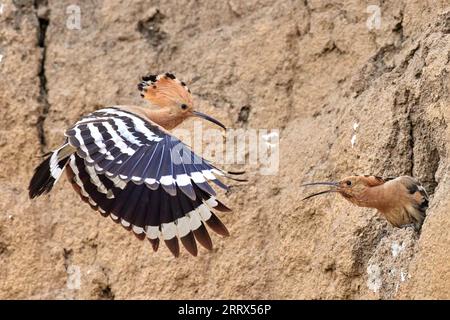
(373, 181)
(164, 89)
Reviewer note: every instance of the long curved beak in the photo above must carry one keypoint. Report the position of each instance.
(333, 184)
(206, 117)
(319, 193)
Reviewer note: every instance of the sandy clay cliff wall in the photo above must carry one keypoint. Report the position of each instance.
(311, 69)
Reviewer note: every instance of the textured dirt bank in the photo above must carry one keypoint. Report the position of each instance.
(309, 68)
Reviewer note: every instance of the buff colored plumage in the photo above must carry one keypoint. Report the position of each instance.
(402, 201)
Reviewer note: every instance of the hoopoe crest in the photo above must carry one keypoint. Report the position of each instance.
(402, 201)
(123, 162)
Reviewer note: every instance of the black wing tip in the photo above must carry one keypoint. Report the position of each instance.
(202, 236)
(154, 243)
(221, 207)
(190, 244)
(173, 246)
(217, 226)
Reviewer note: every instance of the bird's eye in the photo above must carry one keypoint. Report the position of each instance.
(348, 182)
(184, 106)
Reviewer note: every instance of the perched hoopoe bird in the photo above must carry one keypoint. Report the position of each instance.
(402, 201)
(123, 162)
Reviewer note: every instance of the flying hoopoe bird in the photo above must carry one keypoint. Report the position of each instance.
(402, 201)
(123, 162)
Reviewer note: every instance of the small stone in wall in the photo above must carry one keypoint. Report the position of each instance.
(397, 248)
(374, 277)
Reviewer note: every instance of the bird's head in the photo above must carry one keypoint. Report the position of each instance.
(352, 188)
(166, 92)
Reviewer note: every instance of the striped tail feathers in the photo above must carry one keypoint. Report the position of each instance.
(49, 171)
(42, 180)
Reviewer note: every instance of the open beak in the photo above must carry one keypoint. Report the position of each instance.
(206, 117)
(333, 184)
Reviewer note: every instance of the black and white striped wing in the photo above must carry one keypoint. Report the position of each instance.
(124, 146)
(145, 179)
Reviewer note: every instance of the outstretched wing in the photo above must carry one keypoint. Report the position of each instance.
(139, 175)
(126, 147)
